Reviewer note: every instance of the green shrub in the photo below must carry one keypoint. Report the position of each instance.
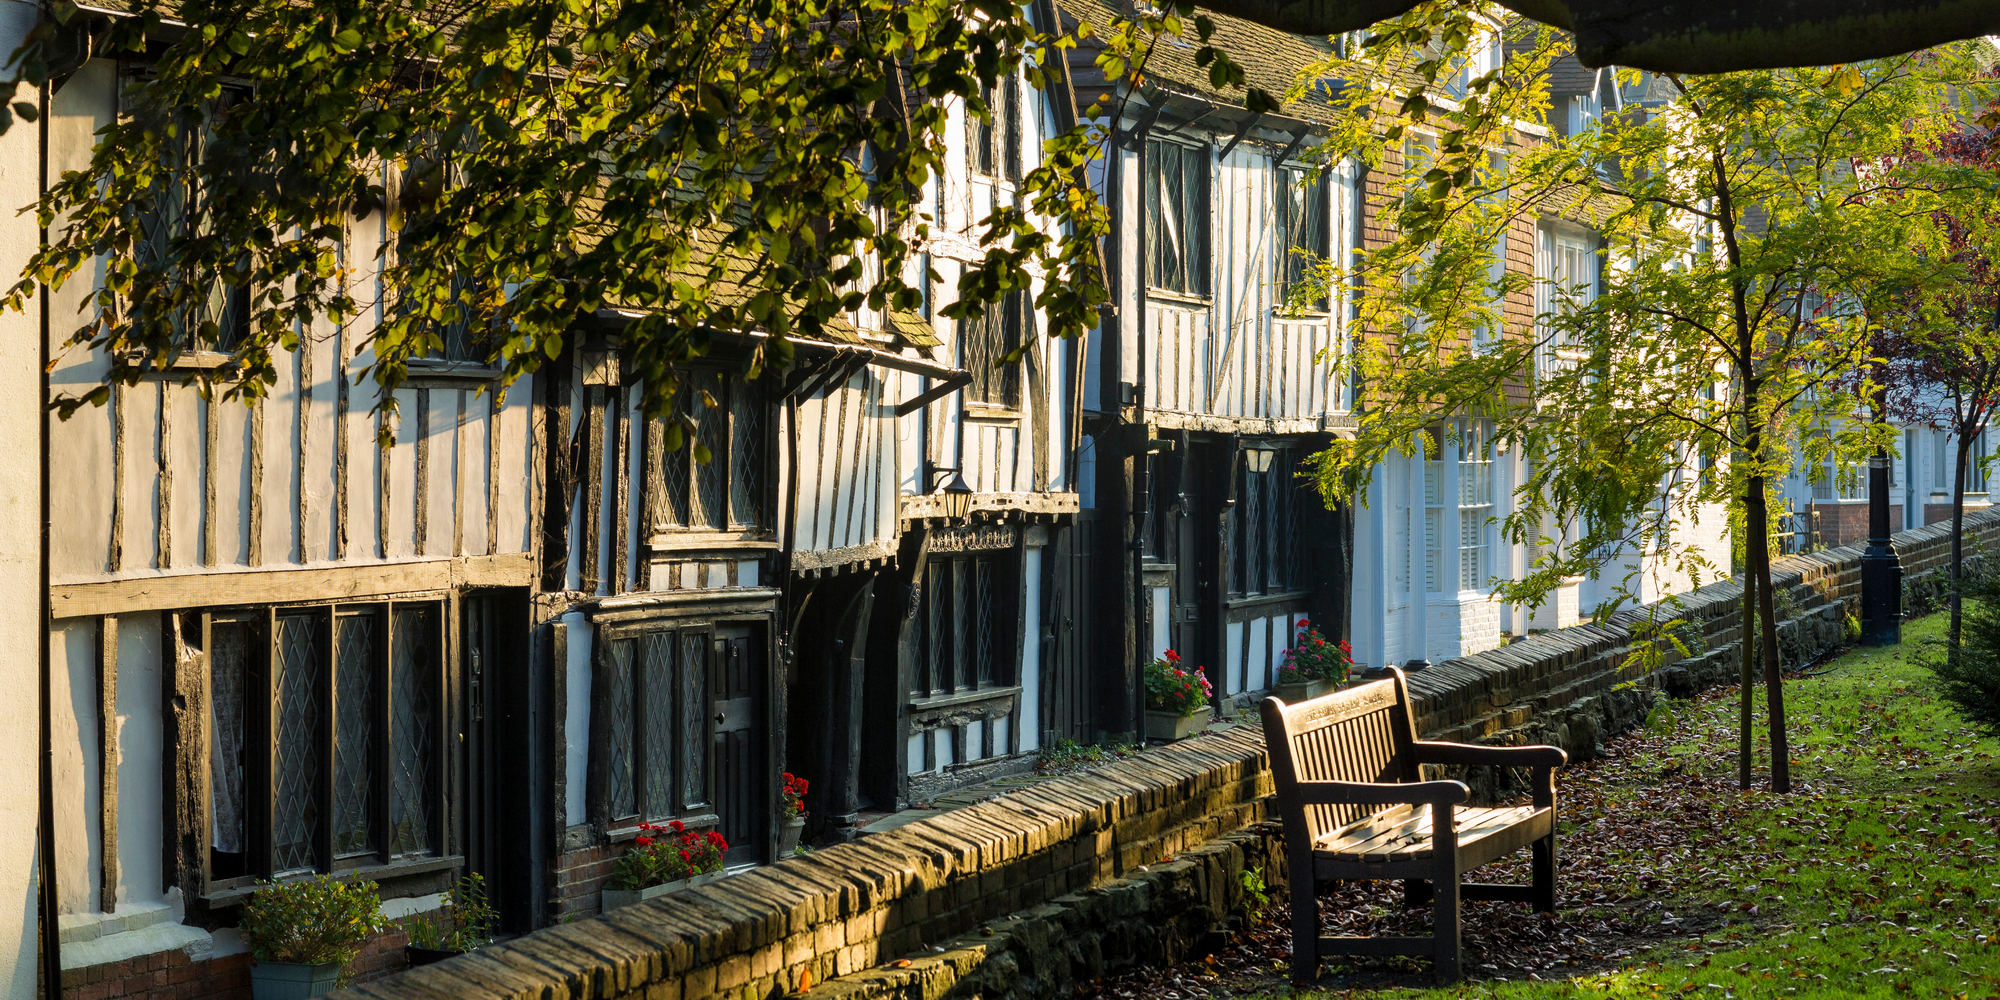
(312, 921)
(1974, 684)
(465, 921)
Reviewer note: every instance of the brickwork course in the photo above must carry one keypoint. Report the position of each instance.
(1136, 862)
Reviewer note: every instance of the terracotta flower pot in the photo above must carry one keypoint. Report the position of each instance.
(1169, 726)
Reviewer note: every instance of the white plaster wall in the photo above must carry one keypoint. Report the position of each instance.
(298, 461)
(576, 721)
(21, 424)
(73, 724)
(141, 746)
(1031, 650)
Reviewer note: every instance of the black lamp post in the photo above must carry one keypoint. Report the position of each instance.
(1881, 572)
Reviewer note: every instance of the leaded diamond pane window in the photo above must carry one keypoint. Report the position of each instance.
(966, 637)
(353, 729)
(986, 346)
(414, 702)
(712, 454)
(694, 719)
(1177, 217)
(619, 726)
(326, 729)
(181, 210)
(1265, 535)
(650, 730)
(657, 723)
(674, 467)
(1305, 236)
(295, 755)
(712, 469)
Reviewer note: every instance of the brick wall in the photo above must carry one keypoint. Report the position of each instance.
(581, 873)
(1053, 885)
(1847, 523)
(174, 975)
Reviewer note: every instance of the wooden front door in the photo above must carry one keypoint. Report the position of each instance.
(1197, 586)
(739, 762)
(1067, 632)
(504, 778)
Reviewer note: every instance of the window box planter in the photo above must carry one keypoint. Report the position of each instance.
(286, 981)
(1292, 694)
(426, 956)
(1168, 726)
(615, 898)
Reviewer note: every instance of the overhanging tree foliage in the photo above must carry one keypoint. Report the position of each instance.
(1939, 349)
(1743, 260)
(735, 165)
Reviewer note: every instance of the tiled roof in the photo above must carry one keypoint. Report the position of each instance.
(1271, 59)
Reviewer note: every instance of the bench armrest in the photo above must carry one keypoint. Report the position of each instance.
(1438, 752)
(1387, 793)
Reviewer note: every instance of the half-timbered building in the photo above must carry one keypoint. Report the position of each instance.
(1208, 383)
(704, 569)
(278, 648)
(983, 629)
(854, 585)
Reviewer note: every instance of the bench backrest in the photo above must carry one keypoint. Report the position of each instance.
(1360, 734)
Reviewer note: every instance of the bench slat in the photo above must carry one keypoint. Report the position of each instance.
(1405, 834)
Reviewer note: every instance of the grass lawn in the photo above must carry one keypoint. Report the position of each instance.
(1878, 877)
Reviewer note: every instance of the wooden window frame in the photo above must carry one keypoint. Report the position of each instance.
(693, 811)
(233, 322)
(984, 343)
(680, 528)
(1196, 255)
(260, 749)
(995, 141)
(1264, 527)
(935, 682)
(1293, 266)
(440, 368)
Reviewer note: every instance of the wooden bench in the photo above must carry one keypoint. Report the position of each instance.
(1345, 766)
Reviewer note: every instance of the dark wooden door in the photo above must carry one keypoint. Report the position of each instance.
(503, 833)
(1067, 631)
(737, 671)
(1197, 587)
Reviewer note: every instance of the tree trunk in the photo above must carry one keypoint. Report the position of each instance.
(1957, 547)
(1756, 513)
(1746, 748)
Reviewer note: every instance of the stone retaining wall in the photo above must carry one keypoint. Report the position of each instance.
(1141, 861)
